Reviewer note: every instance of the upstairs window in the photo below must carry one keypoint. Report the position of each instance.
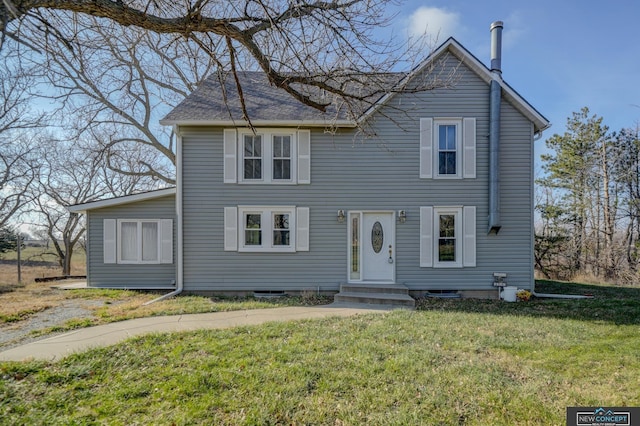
(447, 148)
(252, 157)
(269, 156)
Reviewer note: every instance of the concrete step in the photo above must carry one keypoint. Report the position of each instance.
(374, 288)
(387, 299)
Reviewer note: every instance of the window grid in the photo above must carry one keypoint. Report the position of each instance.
(281, 157)
(447, 149)
(253, 157)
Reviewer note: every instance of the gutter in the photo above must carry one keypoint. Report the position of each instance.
(179, 218)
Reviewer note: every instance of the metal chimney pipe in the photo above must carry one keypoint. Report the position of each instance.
(495, 96)
(496, 46)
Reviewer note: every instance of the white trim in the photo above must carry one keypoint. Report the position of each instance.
(159, 242)
(302, 229)
(426, 237)
(127, 199)
(230, 150)
(426, 148)
(468, 154)
(230, 229)
(361, 214)
(457, 213)
(267, 136)
(304, 157)
(469, 236)
(437, 122)
(266, 227)
(262, 123)
(109, 241)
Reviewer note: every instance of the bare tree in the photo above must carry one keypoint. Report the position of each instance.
(73, 174)
(301, 45)
(18, 164)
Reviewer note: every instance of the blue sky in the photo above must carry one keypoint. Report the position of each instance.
(559, 55)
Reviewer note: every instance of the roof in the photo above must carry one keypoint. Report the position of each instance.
(216, 100)
(143, 196)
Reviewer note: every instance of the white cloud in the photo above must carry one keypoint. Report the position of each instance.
(435, 24)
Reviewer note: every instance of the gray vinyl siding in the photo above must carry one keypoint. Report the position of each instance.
(100, 274)
(377, 173)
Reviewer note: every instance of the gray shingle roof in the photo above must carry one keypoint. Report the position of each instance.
(216, 99)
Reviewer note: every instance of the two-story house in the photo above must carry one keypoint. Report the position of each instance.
(438, 197)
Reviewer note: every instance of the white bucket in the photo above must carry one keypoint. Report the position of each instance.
(509, 293)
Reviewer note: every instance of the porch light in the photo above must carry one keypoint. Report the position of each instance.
(341, 216)
(402, 216)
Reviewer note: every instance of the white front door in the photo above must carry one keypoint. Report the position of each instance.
(378, 247)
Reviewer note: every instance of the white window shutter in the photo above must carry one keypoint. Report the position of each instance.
(302, 229)
(230, 156)
(304, 156)
(469, 235)
(230, 228)
(469, 148)
(426, 237)
(166, 241)
(426, 148)
(109, 240)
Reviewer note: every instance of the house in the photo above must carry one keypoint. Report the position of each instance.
(440, 199)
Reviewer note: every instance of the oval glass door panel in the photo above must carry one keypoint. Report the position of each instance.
(377, 237)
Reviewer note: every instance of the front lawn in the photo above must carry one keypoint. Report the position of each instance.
(450, 363)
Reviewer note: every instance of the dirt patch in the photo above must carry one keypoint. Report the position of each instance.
(21, 332)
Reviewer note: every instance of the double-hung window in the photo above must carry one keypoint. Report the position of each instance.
(138, 241)
(268, 156)
(447, 148)
(266, 229)
(448, 236)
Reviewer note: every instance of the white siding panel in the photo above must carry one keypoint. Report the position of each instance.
(166, 241)
(230, 156)
(304, 157)
(302, 229)
(469, 148)
(109, 240)
(426, 148)
(230, 228)
(426, 237)
(469, 236)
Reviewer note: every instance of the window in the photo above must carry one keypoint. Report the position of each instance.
(281, 157)
(138, 241)
(266, 158)
(269, 156)
(252, 157)
(448, 237)
(447, 148)
(266, 229)
(447, 228)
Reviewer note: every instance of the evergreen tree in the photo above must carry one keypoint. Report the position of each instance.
(8, 240)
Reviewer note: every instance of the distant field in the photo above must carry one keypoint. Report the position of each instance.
(37, 262)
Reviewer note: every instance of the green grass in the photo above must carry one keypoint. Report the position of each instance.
(450, 363)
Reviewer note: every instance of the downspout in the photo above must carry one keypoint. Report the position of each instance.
(494, 127)
(179, 246)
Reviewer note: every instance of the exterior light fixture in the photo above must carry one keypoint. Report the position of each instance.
(402, 216)
(341, 216)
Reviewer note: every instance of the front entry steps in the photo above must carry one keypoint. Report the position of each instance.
(391, 295)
